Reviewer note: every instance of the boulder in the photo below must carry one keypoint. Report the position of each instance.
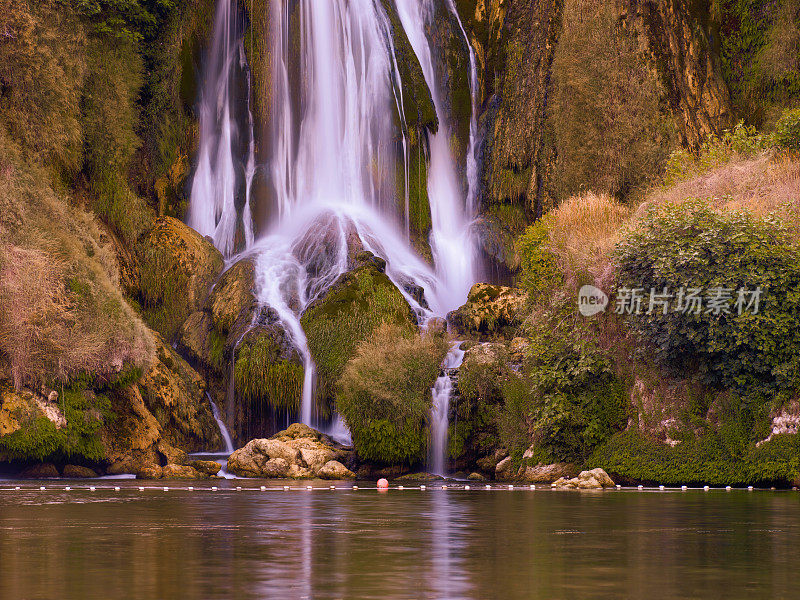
(333, 469)
(180, 472)
(40, 471)
(150, 472)
(475, 476)
(297, 452)
(504, 470)
(544, 473)
(171, 454)
(596, 479)
(491, 311)
(205, 467)
(78, 472)
(421, 477)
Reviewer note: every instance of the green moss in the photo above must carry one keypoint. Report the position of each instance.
(263, 376)
(540, 270)
(163, 287)
(473, 432)
(40, 440)
(356, 305)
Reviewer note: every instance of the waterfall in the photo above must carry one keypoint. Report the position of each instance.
(333, 162)
(442, 392)
(212, 207)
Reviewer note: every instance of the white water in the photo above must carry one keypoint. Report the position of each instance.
(333, 165)
(442, 392)
(223, 429)
(212, 209)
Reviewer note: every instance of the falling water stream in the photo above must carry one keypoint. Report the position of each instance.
(332, 166)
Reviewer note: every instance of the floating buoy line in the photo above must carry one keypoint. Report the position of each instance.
(380, 486)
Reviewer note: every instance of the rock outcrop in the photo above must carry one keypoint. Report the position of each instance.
(298, 452)
(491, 312)
(596, 479)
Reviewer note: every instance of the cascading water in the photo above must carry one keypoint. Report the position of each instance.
(442, 392)
(212, 209)
(333, 164)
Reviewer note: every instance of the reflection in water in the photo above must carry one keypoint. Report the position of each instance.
(361, 544)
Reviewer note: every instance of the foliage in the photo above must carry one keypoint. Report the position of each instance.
(540, 272)
(692, 246)
(705, 459)
(760, 52)
(384, 393)
(40, 440)
(123, 20)
(787, 131)
(742, 141)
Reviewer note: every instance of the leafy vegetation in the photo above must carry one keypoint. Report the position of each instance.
(691, 246)
(384, 393)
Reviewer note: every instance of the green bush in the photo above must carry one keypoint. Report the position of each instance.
(787, 131)
(690, 245)
(540, 270)
(704, 459)
(385, 394)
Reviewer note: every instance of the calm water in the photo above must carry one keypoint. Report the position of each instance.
(436, 543)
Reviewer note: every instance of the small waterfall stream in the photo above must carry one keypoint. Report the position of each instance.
(442, 392)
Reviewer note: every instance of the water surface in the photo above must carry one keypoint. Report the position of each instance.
(401, 544)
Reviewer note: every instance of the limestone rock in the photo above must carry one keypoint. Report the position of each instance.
(504, 469)
(297, 452)
(595, 479)
(475, 476)
(491, 311)
(543, 473)
(78, 472)
(150, 472)
(171, 471)
(333, 469)
(205, 467)
(419, 477)
(178, 268)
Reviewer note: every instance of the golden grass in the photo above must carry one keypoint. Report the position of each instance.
(583, 230)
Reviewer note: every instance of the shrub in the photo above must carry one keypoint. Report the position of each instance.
(740, 142)
(691, 245)
(787, 131)
(385, 393)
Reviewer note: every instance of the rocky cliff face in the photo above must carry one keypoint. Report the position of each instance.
(683, 38)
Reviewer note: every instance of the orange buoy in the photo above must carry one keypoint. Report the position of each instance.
(383, 484)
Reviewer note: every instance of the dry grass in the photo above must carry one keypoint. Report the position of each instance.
(583, 230)
(61, 311)
(762, 185)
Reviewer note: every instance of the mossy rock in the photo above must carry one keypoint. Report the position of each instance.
(233, 298)
(174, 393)
(178, 268)
(355, 305)
(491, 311)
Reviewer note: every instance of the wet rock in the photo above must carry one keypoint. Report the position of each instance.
(78, 472)
(491, 311)
(595, 479)
(504, 470)
(40, 471)
(477, 477)
(180, 472)
(172, 455)
(333, 469)
(205, 467)
(275, 467)
(348, 313)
